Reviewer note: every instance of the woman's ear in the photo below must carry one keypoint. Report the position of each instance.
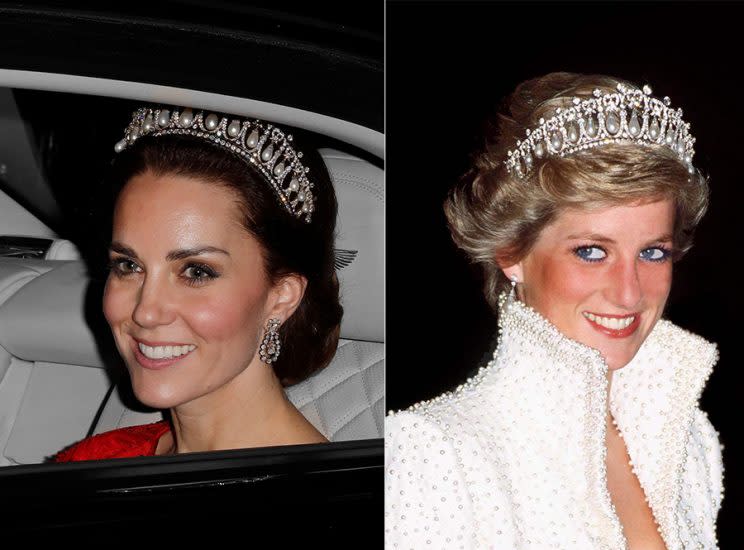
(514, 272)
(285, 296)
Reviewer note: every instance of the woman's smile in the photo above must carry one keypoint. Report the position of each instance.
(157, 355)
(614, 326)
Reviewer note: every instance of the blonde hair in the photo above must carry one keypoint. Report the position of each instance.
(496, 217)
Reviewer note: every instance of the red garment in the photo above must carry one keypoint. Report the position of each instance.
(122, 443)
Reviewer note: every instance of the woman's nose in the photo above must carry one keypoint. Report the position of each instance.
(625, 284)
(153, 307)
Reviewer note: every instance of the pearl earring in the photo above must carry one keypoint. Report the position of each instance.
(513, 293)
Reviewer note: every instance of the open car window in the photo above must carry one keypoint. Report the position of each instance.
(64, 378)
(63, 105)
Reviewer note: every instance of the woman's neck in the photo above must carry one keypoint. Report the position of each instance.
(249, 411)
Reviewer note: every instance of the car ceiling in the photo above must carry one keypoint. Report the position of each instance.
(313, 57)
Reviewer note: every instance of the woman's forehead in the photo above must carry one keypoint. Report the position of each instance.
(622, 219)
(176, 208)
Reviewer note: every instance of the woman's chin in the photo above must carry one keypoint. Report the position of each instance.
(616, 365)
(616, 354)
(156, 398)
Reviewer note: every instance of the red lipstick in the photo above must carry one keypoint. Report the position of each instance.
(615, 333)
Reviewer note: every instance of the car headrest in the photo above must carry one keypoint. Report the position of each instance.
(62, 249)
(50, 318)
(360, 192)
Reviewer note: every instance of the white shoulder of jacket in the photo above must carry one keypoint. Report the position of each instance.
(429, 475)
(427, 502)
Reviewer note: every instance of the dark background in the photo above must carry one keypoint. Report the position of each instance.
(323, 57)
(448, 66)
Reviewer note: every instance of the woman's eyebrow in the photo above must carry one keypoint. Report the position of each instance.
(182, 253)
(663, 238)
(173, 255)
(604, 239)
(121, 249)
(591, 237)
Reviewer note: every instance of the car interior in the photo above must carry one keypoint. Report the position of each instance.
(61, 379)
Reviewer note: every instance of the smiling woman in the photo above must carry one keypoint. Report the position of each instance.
(584, 430)
(600, 280)
(222, 287)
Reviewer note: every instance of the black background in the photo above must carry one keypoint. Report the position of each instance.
(448, 66)
(325, 59)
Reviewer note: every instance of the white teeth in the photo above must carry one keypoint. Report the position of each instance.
(613, 323)
(165, 352)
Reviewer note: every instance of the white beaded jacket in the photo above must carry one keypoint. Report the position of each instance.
(515, 458)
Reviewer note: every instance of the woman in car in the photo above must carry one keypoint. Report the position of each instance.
(584, 430)
(222, 288)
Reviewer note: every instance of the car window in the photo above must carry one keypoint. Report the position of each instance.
(69, 383)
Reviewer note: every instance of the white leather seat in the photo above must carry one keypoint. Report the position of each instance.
(59, 377)
(53, 380)
(62, 249)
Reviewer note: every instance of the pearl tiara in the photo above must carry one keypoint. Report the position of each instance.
(626, 116)
(264, 146)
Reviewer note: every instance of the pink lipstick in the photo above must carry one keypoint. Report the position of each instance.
(159, 363)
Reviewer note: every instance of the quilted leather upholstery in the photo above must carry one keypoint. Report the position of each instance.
(330, 398)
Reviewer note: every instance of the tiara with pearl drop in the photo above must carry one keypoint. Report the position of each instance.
(267, 148)
(626, 116)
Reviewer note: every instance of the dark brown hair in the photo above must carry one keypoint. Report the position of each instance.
(290, 245)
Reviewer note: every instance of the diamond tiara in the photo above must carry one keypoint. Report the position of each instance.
(264, 146)
(626, 116)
